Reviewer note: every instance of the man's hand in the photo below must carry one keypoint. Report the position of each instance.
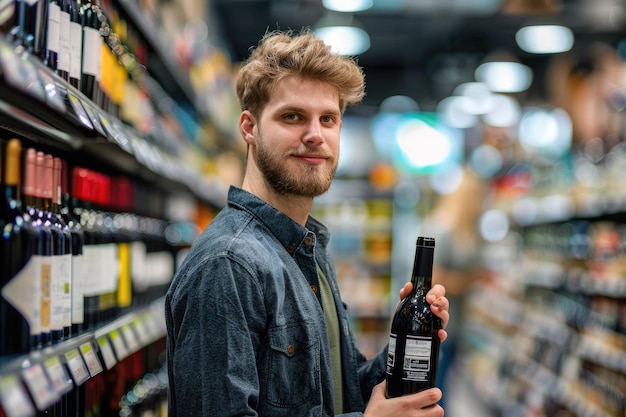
(421, 404)
(439, 304)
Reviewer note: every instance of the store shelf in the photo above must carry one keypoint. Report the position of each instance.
(47, 374)
(76, 124)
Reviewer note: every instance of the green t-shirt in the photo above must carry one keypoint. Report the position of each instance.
(332, 325)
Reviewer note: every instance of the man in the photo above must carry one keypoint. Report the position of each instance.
(255, 322)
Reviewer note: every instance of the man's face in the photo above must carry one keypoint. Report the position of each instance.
(297, 137)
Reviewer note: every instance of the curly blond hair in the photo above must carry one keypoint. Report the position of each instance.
(282, 53)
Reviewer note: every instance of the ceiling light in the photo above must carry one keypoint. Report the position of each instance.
(348, 5)
(504, 77)
(545, 39)
(342, 33)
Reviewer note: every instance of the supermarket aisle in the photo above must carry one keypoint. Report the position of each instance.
(462, 400)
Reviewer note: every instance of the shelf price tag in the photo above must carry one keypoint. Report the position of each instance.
(93, 116)
(118, 345)
(91, 360)
(131, 340)
(80, 111)
(14, 398)
(107, 352)
(77, 367)
(58, 376)
(140, 329)
(39, 386)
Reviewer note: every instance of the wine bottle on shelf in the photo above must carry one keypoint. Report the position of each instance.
(53, 36)
(91, 51)
(413, 351)
(77, 313)
(55, 281)
(43, 251)
(65, 264)
(100, 250)
(76, 43)
(19, 303)
(32, 16)
(65, 49)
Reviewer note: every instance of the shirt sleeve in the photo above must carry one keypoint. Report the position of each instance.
(209, 375)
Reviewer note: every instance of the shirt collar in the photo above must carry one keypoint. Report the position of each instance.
(288, 232)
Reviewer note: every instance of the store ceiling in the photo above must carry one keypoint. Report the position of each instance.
(425, 48)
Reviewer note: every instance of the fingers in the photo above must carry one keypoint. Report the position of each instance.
(436, 297)
(439, 304)
(404, 291)
(421, 404)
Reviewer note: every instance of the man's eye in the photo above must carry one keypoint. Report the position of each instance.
(328, 119)
(292, 116)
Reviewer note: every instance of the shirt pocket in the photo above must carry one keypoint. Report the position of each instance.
(294, 365)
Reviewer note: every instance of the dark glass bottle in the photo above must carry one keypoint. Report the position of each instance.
(65, 48)
(31, 188)
(414, 342)
(65, 252)
(91, 51)
(76, 43)
(78, 263)
(17, 246)
(53, 36)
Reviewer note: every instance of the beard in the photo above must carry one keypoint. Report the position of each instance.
(306, 181)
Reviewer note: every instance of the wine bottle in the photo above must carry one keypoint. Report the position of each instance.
(65, 49)
(413, 351)
(32, 15)
(43, 250)
(55, 281)
(53, 37)
(78, 264)
(19, 301)
(91, 51)
(65, 252)
(76, 43)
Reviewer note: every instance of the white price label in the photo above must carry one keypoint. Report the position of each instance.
(140, 329)
(107, 352)
(77, 366)
(39, 386)
(91, 359)
(118, 344)
(131, 340)
(58, 376)
(14, 398)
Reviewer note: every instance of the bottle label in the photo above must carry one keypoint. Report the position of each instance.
(391, 352)
(59, 275)
(54, 12)
(76, 44)
(78, 277)
(63, 63)
(45, 276)
(417, 365)
(92, 51)
(102, 269)
(23, 292)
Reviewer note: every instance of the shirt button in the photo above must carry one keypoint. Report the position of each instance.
(314, 288)
(290, 348)
(290, 249)
(308, 240)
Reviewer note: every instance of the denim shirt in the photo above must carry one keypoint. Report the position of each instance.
(246, 334)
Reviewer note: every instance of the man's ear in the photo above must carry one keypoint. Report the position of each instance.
(247, 123)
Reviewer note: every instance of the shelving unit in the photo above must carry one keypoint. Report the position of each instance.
(548, 338)
(92, 371)
(42, 378)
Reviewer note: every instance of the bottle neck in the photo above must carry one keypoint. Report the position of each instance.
(422, 275)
